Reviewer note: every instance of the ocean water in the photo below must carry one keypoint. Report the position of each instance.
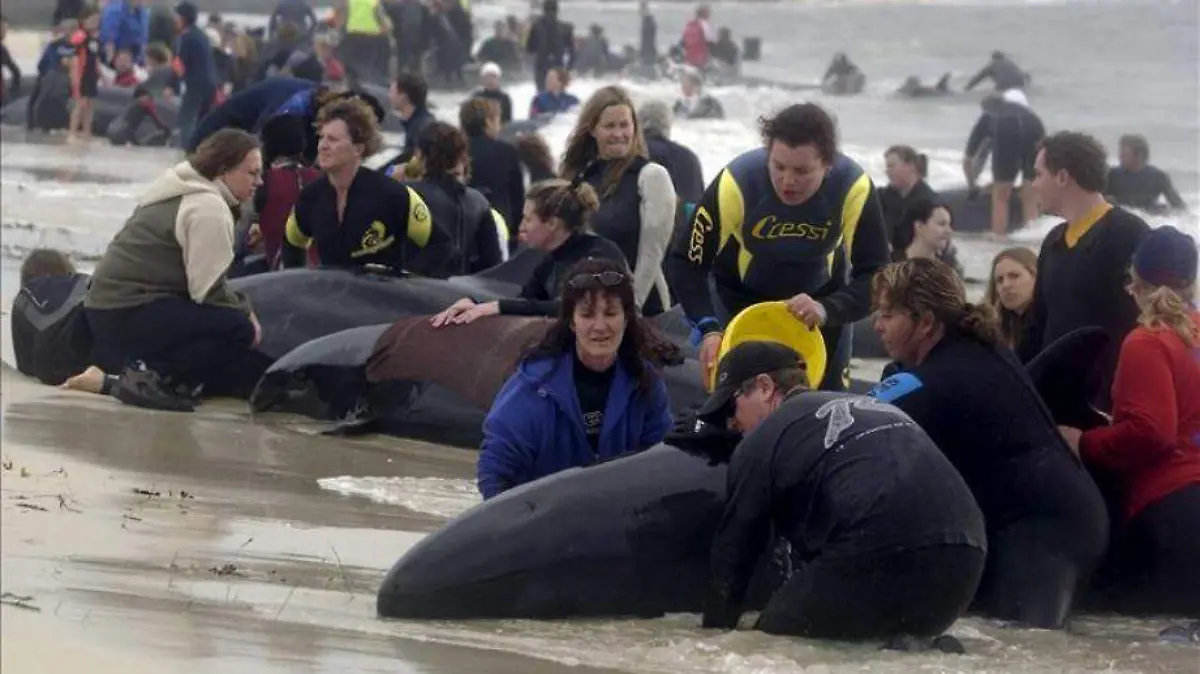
(1107, 67)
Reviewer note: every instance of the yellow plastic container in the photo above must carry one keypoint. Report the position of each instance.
(772, 322)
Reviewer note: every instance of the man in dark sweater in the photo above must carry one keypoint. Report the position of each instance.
(195, 56)
(1083, 262)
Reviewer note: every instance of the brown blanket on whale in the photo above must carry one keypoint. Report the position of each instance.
(414, 350)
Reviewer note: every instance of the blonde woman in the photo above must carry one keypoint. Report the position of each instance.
(1010, 291)
(1151, 452)
(637, 198)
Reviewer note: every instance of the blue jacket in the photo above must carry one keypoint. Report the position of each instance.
(199, 67)
(547, 103)
(535, 427)
(251, 107)
(125, 27)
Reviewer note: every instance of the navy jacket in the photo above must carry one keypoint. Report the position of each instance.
(199, 67)
(535, 427)
(250, 108)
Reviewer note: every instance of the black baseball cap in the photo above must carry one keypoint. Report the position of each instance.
(744, 362)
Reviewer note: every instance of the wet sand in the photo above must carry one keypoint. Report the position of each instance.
(202, 542)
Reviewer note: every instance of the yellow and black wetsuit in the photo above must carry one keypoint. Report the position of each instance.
(754, 248)
(384, 223)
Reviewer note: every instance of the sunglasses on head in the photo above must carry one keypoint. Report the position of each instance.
(604, 279)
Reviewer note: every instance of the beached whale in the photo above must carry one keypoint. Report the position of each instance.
(629, 537)
(109, 104)
(412, 380)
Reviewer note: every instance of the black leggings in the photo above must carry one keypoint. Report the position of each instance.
(1034, 568)
(181, 340)
(1154, 566)
(917, 592)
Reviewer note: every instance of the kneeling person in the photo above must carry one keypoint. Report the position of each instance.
(585, 394)
(1046, 521)
(49, 339)
(891, 539)
(159, 302)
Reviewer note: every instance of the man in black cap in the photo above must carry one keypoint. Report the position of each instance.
(890, 539)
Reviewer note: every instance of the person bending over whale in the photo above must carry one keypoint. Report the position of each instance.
(355, 216)
(795, 220)
(891, 540)
(585, 394)
(1014, 131)
(1047, 526)
(556, 221)
(478, 233)
(843, 76)
(1151, 452)
(159, 306)
(49, 338)
(1003, 72)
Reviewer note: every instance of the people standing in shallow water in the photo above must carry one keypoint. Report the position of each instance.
(585, 394)
(768, 228)
(693, 103)
(1083, 261)
(1011, 131)
(1047, 527)
(355, 216)
(159, 307)
(607, 150)
(1010, 291)
(890, 538)
(1137, 184)
(843, 76)
(1003, 72)
(553, 98)
(556, 220)
(1151, 452)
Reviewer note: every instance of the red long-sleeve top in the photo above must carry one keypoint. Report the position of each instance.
(1152, 447)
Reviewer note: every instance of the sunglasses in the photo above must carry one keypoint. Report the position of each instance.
(604, 279)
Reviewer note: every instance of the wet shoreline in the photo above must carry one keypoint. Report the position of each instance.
(209, 536)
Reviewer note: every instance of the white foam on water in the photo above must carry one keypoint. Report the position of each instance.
(439, 496)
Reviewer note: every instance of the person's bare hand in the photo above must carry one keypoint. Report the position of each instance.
(710, 347)
(254, 236)
(1071, 435)
(451, 312)
(807, 309)
(258, 332)
(476, 312)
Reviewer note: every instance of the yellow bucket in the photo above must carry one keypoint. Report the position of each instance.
(772, 322)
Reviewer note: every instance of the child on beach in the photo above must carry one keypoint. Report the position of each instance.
(85, 76)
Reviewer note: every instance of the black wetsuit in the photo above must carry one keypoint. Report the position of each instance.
(496, 171)
(539, 296)
(383, 223)
(1142, 188)
(890, 538)
(746, 246)
(551, 43)
(1004, 74)
(50, 338)
(1015, 132)
(1047, 526)
(478, 235)
(592, 388)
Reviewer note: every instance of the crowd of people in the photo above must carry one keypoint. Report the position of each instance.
(950, 484)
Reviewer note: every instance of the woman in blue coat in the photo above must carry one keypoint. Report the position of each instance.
(585, 394)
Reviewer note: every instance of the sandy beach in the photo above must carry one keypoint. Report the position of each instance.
(135, 539)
